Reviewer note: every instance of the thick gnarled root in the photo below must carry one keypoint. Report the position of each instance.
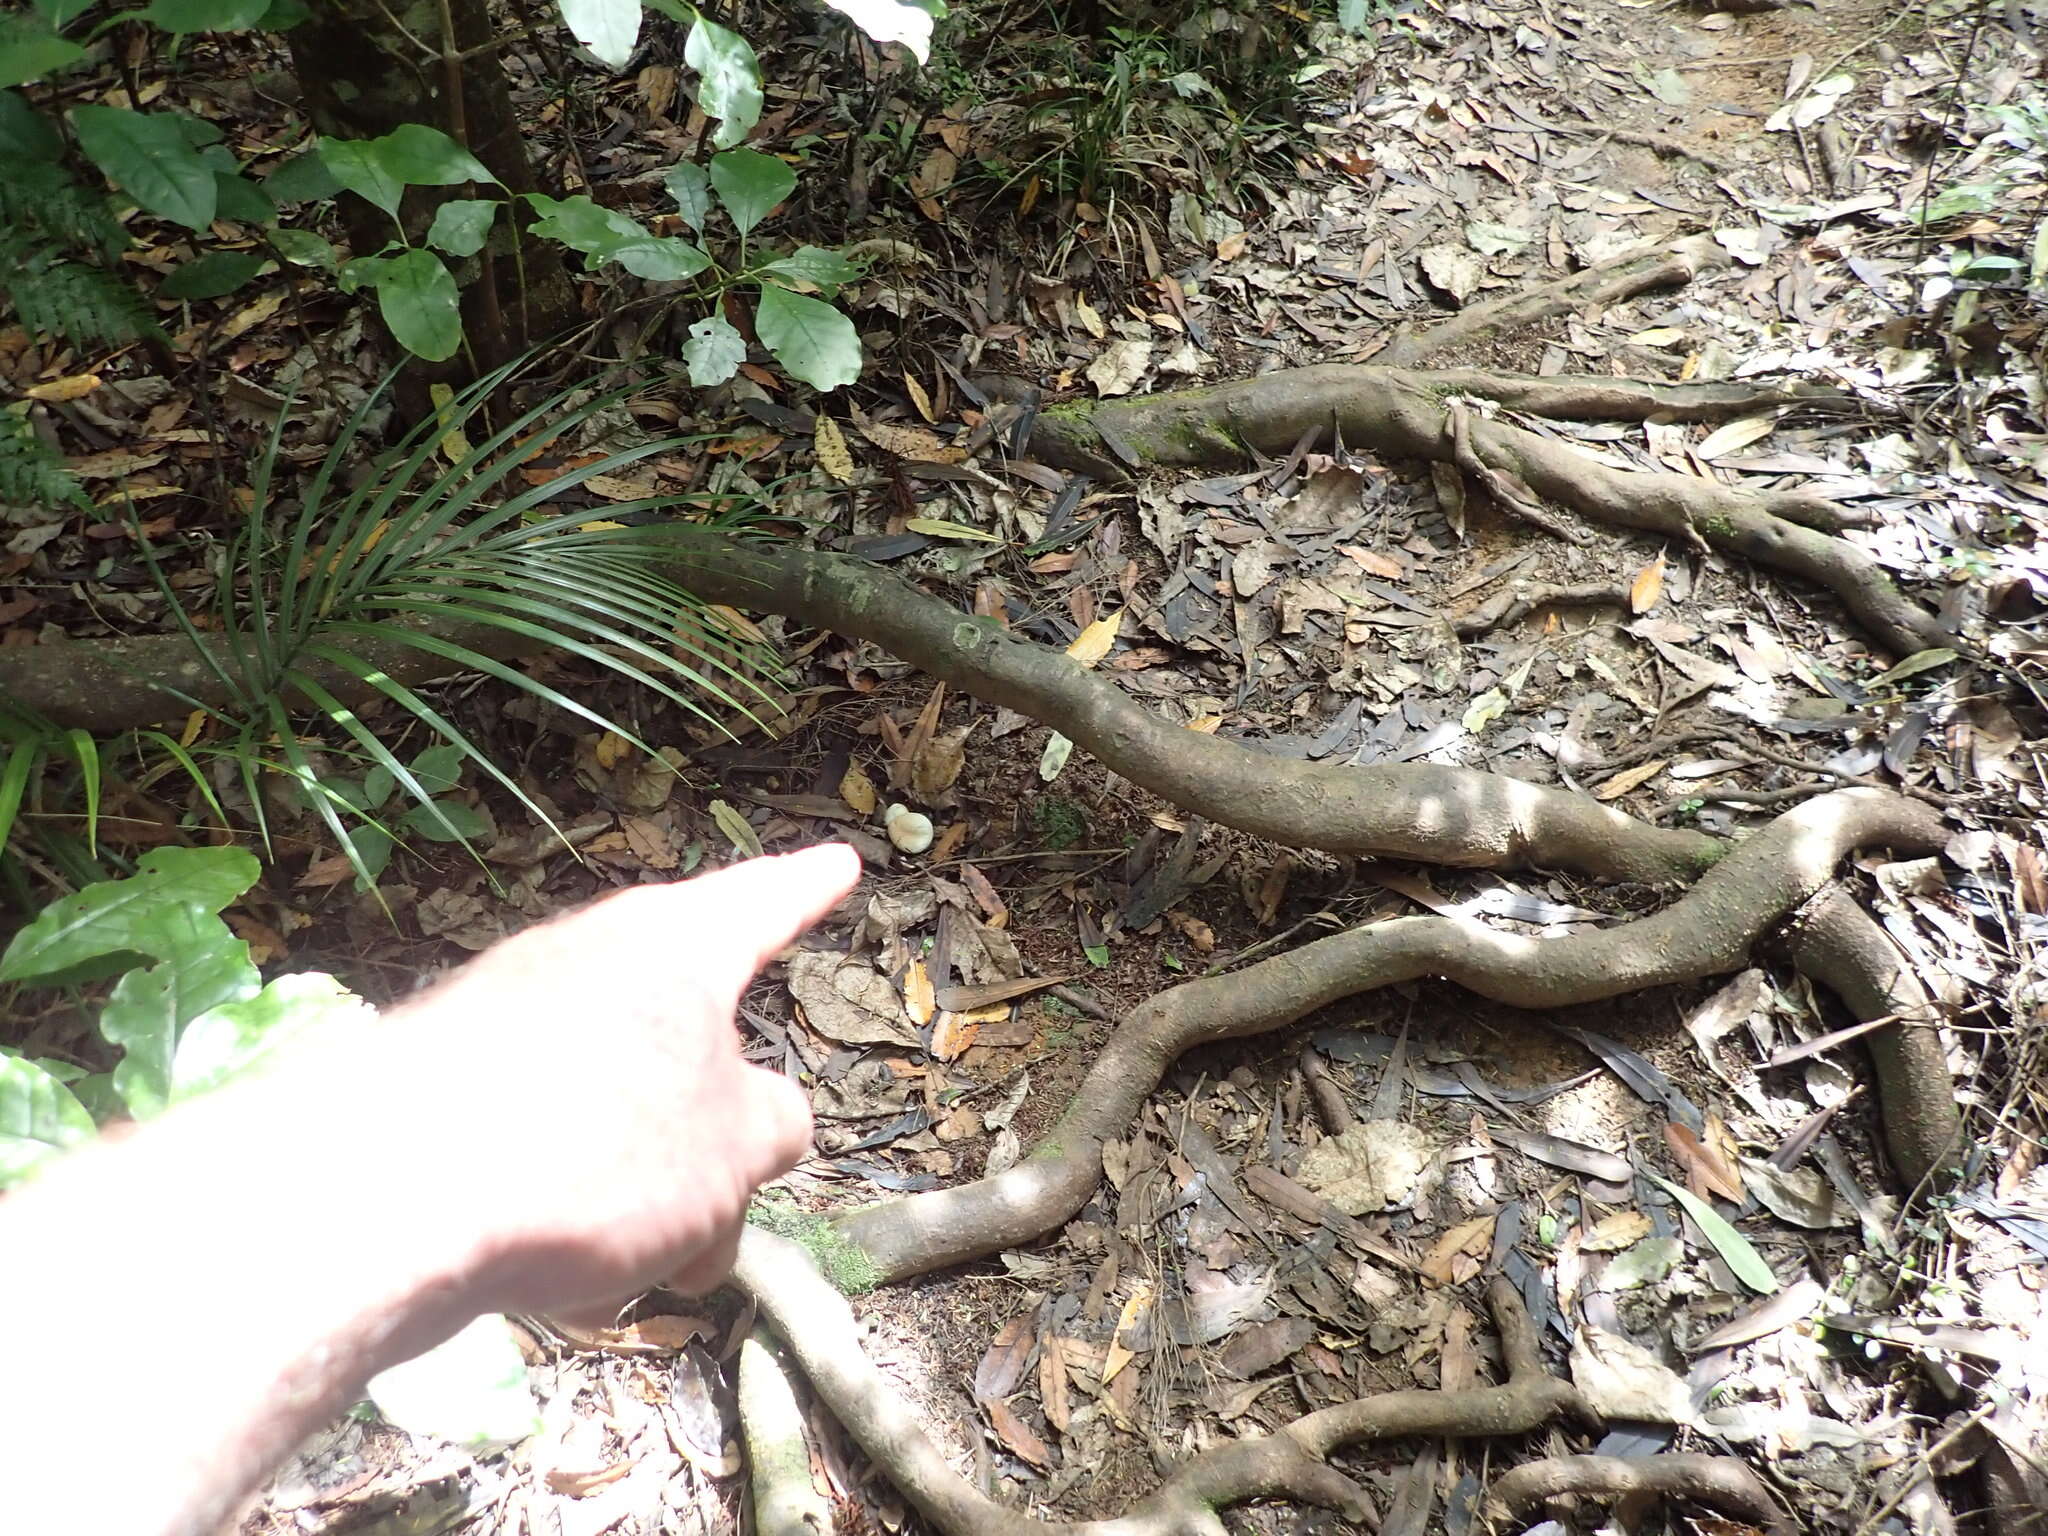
(821, 1333)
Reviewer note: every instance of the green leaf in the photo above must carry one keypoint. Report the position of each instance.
(283, 15)
(1746, 1263)
(812, 340)
(750, 184)
(411, 155)
(302, 248)
(150, 158)
(418, 299)
(151, 913)
(714, 352)
(59, 13)
(212, 275)
(26, 132)
(892, 21)
(371, 846)
(148, 1011)
(462, 225)
(179, 17)
(29, 51)
(729, 80)
(445, 821)
(471, 1390)
(1098, 955)
(304, 178)
(1913, 666)
(585, 226)
(234, 1037)
(238, 198)
(39, 1117)
(690, 186)
(818, 267)
(608, 28)
(439, 769)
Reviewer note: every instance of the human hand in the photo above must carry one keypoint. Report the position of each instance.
(585, 1077)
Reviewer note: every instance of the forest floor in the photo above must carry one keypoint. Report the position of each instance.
(1336, 606)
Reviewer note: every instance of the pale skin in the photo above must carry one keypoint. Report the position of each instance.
(563, 1122)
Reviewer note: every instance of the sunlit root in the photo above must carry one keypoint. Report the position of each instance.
(1720, 1482)
(820, 1332)
(1709, 932)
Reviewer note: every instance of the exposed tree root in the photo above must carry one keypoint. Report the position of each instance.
(1406, 414)
(821, 1332)
(1707, 933)
(1441, 815)
(1836, 943)
(1722, 1482)
(778, 1457)
(1517, 602)
(1608, 282)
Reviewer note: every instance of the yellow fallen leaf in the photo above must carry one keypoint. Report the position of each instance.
(70, 387)
(453, 445)
(919, 1001)
(937, 528)
(858, 790)
(919, 398)
(611, 748)
(833, 455)
(1090, 317)
(1118, 1356)
(738, 831)
(1094, 642)
(1206, 724)
(1628, 779)
(1648, 586)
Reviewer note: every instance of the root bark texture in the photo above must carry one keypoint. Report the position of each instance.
(823, 1336)
(1709, 932)
(778, 1457)
(1406, 413)
(1436, 814)
(1721, 1482)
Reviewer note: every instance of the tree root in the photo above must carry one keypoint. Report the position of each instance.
(1427, 812)
(1838, 944)
(778, 1457)
(1404, 413)
(1708, 932)
(1520, 600)
(1608, 282)
(819, 1329)
(1722, 1482)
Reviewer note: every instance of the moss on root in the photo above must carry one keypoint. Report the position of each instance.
(843, 1262)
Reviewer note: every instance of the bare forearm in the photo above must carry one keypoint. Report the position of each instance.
(193, 1300)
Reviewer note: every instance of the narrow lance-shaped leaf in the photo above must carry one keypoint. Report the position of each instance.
(1735, 1250)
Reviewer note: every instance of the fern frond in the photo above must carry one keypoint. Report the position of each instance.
(32, 474)
(44, 197)
(56, 297)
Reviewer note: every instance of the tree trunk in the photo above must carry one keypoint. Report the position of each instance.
(364, 75)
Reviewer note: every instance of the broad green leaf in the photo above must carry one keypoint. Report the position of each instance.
(445, 821)
(690, 185)
(283, 15)
(304, 178)
(891, 21)
(149, 157)
(818, 267)
(149, 913)
(377, 786)
(750, 184)
(228, 1040)
(26, 132)
(39, 1117)
(439, 769)
(418, 299)
(149, 1010)
(411, 155)
(714, 352)
(472, 1390)
(812, 340)
(1098, 955)
(585, 226)
(729, 80)
(462, 225)
(181, 16)
(212, 275)
(28, 51)
(303, 248)
(1913, 666)
(1746, 1263)
(372, 847)
(238, 198)
(608, 28)
(59, 12)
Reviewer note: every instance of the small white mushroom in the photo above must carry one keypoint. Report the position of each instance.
(909, 830)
